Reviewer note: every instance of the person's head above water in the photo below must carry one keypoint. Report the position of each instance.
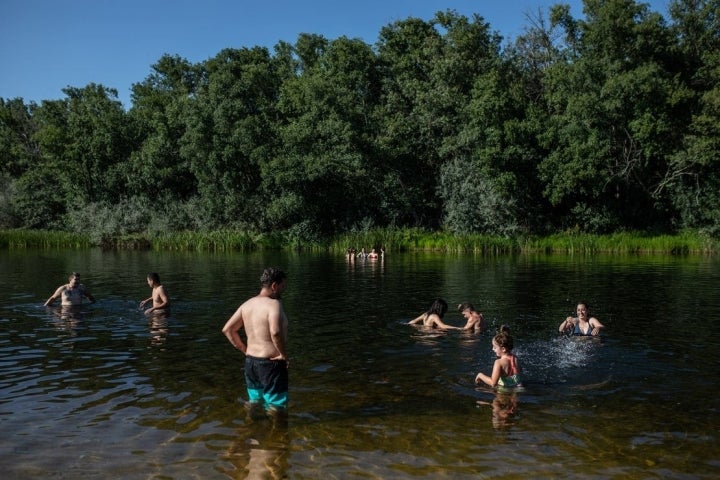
(439, 306)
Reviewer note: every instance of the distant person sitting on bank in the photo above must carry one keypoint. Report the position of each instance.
(475, 319)
(433, 316)
(159, 298)
(71, 293)
(582, 325)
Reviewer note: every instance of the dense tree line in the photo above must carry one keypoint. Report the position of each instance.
(606, 123)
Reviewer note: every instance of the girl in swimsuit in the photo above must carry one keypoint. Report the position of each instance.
(583, 324)
(506, 370)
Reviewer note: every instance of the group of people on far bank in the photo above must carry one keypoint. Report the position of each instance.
(506, 369)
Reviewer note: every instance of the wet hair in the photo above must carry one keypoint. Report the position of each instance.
(503, 338)
(438, 307)
(272, 275)
(154, 277)
(466, 306)
(74, 275)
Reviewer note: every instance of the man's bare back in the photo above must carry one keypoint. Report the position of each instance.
(266, 327)
(265, 324)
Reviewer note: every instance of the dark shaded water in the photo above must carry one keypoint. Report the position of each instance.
(107, 394)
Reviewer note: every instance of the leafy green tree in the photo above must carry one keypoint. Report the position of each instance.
(19, 149)
(19, 153)
(321, 174)
(693, 176)
(230, 132)
(428, 73)
(159, 113)
(411, 121)
(85, 143)
(615, 111)
(474, 203)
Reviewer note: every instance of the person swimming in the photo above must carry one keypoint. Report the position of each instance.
(433, 316)
(582, 325)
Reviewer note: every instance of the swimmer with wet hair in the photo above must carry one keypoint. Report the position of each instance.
(582, 325)
(433, 316)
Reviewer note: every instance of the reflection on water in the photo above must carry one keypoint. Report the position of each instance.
(504, 408)
(104, 391)
(158, 322)
(260, 451)
(69, 318)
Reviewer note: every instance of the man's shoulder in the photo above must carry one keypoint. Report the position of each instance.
(261, 301)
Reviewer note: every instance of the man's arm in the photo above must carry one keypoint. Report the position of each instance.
(54, 296)
(232, 328)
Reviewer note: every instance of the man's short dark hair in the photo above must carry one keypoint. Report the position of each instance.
(272, 275)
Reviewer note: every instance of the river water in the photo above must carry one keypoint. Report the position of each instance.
(106, 393)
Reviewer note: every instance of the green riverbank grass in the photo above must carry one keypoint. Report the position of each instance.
(684, 242)
(13, 239)
(398, 240)
(418, 240)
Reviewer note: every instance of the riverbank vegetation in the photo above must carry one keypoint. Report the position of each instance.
(597, 126)
(405, 240)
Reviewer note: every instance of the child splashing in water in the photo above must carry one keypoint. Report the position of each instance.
(506, 370)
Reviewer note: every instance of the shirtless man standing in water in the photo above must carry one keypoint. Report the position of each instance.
(159, 297)
(266, 327)
(70, 294)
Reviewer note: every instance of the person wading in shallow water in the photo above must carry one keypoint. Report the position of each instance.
(266, 360)
(475, 319)
(159, 298)
(71, 293)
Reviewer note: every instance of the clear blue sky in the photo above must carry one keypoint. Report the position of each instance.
(46, 45)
